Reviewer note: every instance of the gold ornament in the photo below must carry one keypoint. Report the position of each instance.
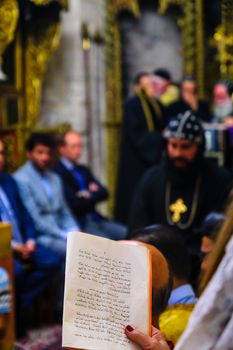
(180, 208)
(223, 38)
(224, 43)
(41, 2)
(177, 209)
(9, 14)
(130, 5)
(41, 43)
(164, 4)
(64, 3)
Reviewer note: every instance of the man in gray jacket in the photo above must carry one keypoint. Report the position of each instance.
(42, 193)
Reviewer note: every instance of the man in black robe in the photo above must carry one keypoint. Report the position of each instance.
(189, 101)
(185, 188)
(141, 145)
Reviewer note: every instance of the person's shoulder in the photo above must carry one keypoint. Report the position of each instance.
(152, 174)
(21, 172)
(177, 103)
(5, 177)
(132, 102)
(60, 169)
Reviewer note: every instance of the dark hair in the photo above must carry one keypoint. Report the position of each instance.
(211, 225)
(160, 299)
(39, 138)
(162, 73)
(169, 241)
(189, 78)
(138, 77)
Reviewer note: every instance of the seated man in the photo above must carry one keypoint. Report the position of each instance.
(42, 193)
(4, 301)
(83, 191)
(34, 265)
(174, 319)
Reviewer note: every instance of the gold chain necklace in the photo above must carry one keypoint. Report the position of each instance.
(181, 225)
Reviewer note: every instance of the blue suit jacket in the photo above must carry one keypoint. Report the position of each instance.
(80, 206)
(25, 223)
(51, 217)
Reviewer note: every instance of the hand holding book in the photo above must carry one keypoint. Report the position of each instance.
(108, 285)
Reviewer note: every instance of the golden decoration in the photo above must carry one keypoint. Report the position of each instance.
(191, 24)
(164, 5)
(41, 43)
(64, 3)
(178, 208)
(223, 38)
(130, 5)
(224, 43)
(41, 2)
(114, 97)
(200, 50)
(9, 14)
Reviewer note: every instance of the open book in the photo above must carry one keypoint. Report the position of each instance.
(107, 286)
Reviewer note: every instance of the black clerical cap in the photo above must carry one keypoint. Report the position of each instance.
(185, 126)
(162, 73)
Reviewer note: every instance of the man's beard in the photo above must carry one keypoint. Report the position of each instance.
(186, 174)
(223, 110)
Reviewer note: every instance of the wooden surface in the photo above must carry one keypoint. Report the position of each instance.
(6, 261)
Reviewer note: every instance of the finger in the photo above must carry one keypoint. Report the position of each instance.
(139, 338)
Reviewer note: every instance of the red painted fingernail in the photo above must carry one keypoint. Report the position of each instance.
(129, 328)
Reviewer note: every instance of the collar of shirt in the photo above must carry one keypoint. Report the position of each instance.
(67, 164)
(182, 295)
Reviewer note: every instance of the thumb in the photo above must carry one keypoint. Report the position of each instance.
(139, 338)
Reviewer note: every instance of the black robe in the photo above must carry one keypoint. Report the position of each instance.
(149, 206)
(140, 149)
(180, 106)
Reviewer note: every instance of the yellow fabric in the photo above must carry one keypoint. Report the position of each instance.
(145, 102)
(174, 320)
(171, 95)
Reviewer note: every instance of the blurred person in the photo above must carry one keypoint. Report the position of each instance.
(163, 87)
(5, 303)
(141, 145)
(42, 193)
(34, 265)
(185, 188)
(189, 100)
(223, 105)
(142, 81)
(174, 319)
(211, 324)
(161, 279)
(209, 232)
(83, 191)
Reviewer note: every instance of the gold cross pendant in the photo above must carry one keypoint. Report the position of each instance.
(177, 209)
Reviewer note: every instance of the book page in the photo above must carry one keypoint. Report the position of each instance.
(107, 287)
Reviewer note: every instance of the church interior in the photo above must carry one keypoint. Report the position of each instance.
(116, 119)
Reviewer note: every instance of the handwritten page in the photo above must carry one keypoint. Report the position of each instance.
(107, 286)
